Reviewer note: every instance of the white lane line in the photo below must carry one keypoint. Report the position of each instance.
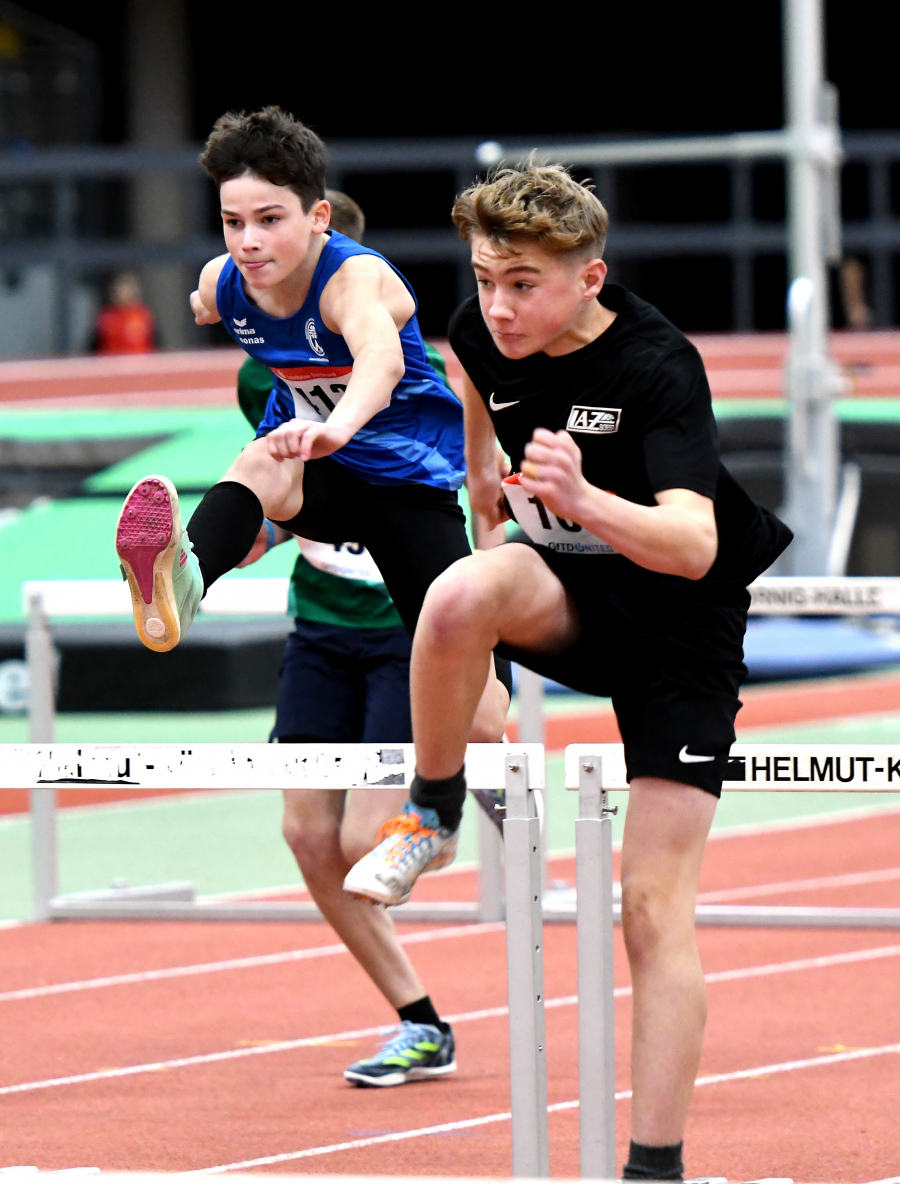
(557, 1107)
(234, 1054)
(849, 880)
(887, 1180)
(148, 976)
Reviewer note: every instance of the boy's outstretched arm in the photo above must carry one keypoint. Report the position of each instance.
(203, 299)
(367, 304)
(486, 465)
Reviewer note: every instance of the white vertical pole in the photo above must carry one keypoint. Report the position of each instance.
(531, 731)
(525, 975)
(813, 454)
(490, 870)
(596, 1018)
(41, 712)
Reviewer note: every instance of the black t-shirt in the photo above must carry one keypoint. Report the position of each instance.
(636, 401)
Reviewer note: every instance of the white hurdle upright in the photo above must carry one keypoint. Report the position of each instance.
(525, 972)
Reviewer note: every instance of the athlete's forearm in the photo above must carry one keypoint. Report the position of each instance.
(484, 460)
(377, 368)
(672, 538)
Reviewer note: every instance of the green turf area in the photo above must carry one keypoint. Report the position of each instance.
(74, 540)
(880, 410)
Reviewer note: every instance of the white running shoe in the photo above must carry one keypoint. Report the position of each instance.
(410, 844)
(159, 563)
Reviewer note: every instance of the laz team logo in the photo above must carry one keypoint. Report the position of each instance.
(599, 421)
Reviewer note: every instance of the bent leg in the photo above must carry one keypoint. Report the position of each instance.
(277, 484)
(507, 594)
(225, 524)
(665, 833)
(313, 830)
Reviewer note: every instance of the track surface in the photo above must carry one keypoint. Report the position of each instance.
(244, 1098)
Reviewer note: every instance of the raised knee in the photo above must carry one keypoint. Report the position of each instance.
(459, 601)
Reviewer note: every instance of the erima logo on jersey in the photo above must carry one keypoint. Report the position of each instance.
(247, 336)
(313, 339)
(599, 421)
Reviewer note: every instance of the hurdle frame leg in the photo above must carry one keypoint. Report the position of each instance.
(525, 973)
(596, 1018)
(39, 656)
(491, 906)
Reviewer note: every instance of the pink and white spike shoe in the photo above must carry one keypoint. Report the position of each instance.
(158, 561)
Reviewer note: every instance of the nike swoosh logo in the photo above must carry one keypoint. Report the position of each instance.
(688, 758)
(500, 406)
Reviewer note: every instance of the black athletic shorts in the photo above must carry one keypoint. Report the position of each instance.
(413, 532)
(674, 704)
(344, 686)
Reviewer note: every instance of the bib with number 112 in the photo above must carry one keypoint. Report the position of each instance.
(317, 390)
(546, 529)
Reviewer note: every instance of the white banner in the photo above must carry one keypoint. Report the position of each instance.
(824, 596)
(244, 766)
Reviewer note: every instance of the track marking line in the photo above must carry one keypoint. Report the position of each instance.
(233, 1054)
(556, 1108)
(847, 880)
(147, 976)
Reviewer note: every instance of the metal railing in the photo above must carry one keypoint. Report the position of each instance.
(742, 237)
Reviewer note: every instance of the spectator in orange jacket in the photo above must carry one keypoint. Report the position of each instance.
(126, 324)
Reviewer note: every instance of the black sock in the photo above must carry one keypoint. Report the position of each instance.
(446, 795)
(421, 1011)
(654, 1163)
(224, 527)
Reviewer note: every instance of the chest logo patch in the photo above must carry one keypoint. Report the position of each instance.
(313, 339)
(599, 421)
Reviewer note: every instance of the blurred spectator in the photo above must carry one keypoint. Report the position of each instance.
(126, 324)
(857, 313)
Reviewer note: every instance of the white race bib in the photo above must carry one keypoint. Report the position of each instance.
(568, 538)
(351, 561)
(317, 390)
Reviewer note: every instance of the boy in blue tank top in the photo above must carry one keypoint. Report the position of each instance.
(361, 439)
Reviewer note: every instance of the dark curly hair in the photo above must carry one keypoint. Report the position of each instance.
(272, 144)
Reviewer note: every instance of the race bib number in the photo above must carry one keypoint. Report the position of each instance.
(546, 529)
(317, 390)
(351, 561)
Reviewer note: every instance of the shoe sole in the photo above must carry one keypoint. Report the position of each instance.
(404, 1078)
(148, 535)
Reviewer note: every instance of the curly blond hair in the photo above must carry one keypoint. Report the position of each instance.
(537, 202)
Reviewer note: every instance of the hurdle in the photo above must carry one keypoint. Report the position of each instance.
(592, 770)
(44, 600)
(517, 769)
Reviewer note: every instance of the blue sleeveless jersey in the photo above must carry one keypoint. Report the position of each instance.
(417, 439)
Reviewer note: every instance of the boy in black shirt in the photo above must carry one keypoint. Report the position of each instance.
(633, 583)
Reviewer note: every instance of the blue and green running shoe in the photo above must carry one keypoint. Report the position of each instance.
(415, 1053)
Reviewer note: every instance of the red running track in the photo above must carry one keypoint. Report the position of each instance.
(834, 1001)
